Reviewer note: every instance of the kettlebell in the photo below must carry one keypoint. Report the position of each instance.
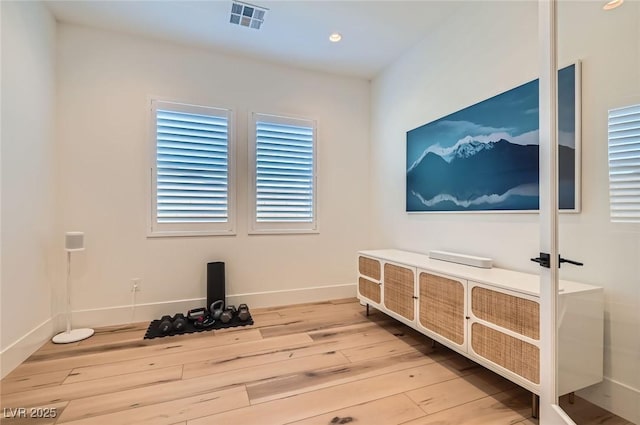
(165, 325)
(179, 322)
(216, 309)
(243, 312)
(227, 314)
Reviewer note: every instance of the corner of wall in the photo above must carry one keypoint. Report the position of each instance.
(12, 356)
(28, 180)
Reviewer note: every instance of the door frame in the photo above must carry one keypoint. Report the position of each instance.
(550, 411)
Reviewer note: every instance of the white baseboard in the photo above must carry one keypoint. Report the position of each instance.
(118, 315)
(149, 311)
(616, 397)
(294, 296)
(21, 349)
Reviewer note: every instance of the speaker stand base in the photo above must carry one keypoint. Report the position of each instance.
(74, 335)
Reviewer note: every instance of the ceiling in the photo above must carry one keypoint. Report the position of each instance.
(295, 33)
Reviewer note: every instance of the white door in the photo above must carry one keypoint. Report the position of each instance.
(605, 232)
(550, 412)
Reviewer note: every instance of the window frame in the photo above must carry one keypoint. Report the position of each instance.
(255, 227)
(155, 229)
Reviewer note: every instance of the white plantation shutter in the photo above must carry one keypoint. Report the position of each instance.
(624, 164)
(284, 176)
(191, 173)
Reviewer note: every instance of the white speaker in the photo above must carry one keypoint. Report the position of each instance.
(467, 260)
(74, 241)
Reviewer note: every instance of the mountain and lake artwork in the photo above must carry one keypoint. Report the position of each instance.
(486, 157)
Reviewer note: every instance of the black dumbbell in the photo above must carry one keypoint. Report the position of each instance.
(227, 314)
(179, 322)
(243, 312)
(196, 313)
(165, 325)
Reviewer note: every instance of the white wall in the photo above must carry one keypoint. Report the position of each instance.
(28, 179)
(487, 49)
(105, 80)
(461, 63)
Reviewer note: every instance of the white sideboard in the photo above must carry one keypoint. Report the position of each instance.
(492, 316)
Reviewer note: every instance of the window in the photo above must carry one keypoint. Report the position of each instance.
(192, 172)
(624, 164)
(282, 154)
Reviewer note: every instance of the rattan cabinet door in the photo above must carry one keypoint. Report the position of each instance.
(369, 275)
(398, 287)
(505, 330)
(441, 307)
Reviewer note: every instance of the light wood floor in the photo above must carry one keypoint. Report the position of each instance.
(323, 363)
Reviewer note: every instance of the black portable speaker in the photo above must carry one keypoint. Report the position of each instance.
(215, 282)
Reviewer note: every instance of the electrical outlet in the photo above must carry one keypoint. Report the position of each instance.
(136, 283)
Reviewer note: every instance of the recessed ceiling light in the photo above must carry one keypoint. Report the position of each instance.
(335, 37)
(612, 4)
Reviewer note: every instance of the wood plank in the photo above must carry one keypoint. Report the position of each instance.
(503, 408)
(135, 398)
(317, 305)
(459, 362)
(384, 349)
(173, 411)
(50, 346)
(455, 392)
(319, 310)
(313, 320)
(389, 410)
(259, 317)
(118, 333)
(15, 382)
(235, 360)
(293, 383)
(354, 328)
(531, 421)
(293, 325)
(318, 317)
(90, 356)
(99, 387)
(269, 370)
(392, 327)
(302, 406)
(350, 300)
(212, 355)
(203, 339)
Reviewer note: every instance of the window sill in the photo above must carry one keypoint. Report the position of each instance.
(185, 233)
(284, 232)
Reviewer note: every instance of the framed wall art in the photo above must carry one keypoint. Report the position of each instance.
(485, 157)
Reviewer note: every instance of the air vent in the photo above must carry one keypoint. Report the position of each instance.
(247, 15)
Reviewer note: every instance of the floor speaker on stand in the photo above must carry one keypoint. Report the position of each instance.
(215, 282)
(74, 241)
